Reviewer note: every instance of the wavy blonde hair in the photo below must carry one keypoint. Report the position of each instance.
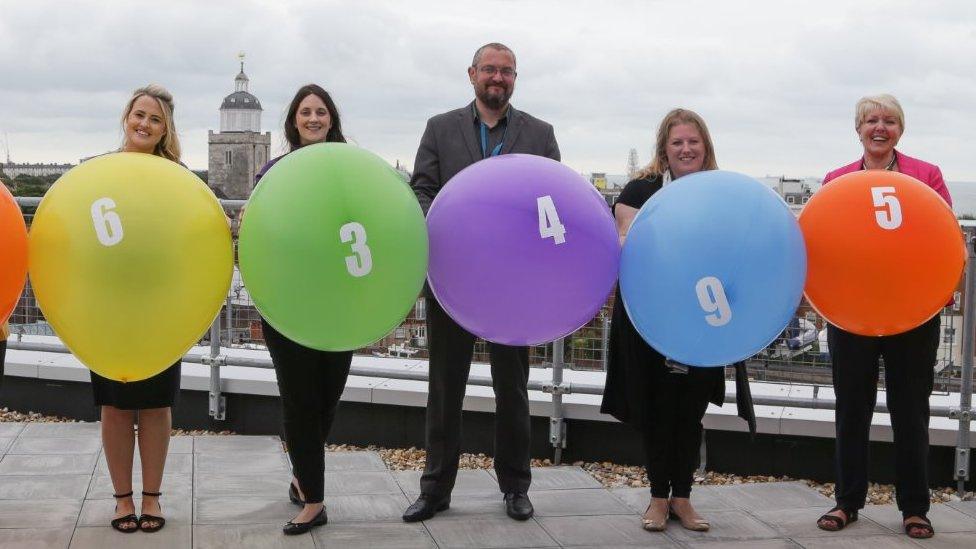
(882, 101)
(169, 145)
(659, 164)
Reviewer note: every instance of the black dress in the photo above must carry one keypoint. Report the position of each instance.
(634, 368)
(159, 391)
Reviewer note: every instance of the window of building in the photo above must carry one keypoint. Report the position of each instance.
(227, 156)
(790, 200)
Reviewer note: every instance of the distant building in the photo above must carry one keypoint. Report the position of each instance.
(599, 180)
(239, 149)
(13, 169)
(632, 164)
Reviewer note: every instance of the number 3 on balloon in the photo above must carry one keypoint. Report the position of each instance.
(361, 263)
(890, 217)
(108, 225)
(711, 297)
(549, 225)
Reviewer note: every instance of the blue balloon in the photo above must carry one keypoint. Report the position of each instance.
(713, 268)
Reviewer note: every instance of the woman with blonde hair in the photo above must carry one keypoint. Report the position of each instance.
(665, 400)
(147, 127)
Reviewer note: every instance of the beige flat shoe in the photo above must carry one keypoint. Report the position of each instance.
(653, 525)
(695, 525)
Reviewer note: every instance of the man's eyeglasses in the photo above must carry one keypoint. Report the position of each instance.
(491, 70)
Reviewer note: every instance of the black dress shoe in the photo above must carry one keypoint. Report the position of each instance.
(425, 507)
(296, 528)
(518, 506)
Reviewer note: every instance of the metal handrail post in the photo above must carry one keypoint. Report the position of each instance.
(966, 387)
(217, 402)
(557, 424)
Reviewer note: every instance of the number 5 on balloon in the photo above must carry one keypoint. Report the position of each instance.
(108, 225)
(711, 297)
(890, 217)
(549, 225)
(361, 263)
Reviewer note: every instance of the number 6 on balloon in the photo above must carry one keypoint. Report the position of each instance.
(362, 263)
(108, 225)
(711, 297)
(549, 225)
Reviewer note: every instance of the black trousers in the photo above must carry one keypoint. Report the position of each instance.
(310, 383)
(3, 356)
(672, 434)
(451, 347)
(909, 360)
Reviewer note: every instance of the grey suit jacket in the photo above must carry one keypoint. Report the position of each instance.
(449, 145)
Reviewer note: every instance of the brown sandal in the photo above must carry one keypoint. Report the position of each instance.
(837, 523)
(922, 530)
(146, 520)
(131, 518)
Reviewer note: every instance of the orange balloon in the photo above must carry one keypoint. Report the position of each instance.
(884, 252)
(13, 253)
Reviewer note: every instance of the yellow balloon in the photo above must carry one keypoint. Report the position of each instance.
(131, 259)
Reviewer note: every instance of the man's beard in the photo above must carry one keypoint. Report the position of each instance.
(494, 101)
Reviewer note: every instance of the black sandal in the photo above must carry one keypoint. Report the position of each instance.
(146, 520)
(926, 528)
(836, 523)
(131, 518)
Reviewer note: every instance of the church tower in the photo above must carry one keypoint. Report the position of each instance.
(239, 149)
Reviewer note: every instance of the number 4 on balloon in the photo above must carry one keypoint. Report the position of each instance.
(549, 225)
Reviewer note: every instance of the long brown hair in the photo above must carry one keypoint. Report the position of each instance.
(659, 164)
(169, 145)
(291, 130)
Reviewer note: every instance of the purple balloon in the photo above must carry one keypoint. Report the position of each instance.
(523, 250)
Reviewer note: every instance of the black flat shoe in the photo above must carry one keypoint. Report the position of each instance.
(425, 507)
(518, 506)
(146, 520)
(293, 495)
(296, 528)
(131, 518)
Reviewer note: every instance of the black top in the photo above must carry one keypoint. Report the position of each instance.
(633, 366)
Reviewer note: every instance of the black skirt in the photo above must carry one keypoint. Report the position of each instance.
(159, 391)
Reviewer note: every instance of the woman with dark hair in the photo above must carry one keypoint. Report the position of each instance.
(665, 400)
(310, 381)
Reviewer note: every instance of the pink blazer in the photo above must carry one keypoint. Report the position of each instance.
(923, 171)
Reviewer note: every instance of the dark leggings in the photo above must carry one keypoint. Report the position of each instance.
(310, 383)
(672, 434)
(909, 374)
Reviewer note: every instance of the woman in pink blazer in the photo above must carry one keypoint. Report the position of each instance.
(909, 358)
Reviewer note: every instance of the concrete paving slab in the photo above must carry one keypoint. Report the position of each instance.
(52, 513)
(242, 510)
(56, 445)
(74, 464)
(221, 444)
(242, 464)
(967, 507)
(704, 498)
(5, 443)
(361, 482)
(488, 533)
(619, 530)
(469, 481)
(802, 523)
(173, 485)
(587, 501)
(100, 512)
(100, 537)
(751, 544)
(373, 535)
(177, 464)
(473, 507)
(33, 487)
(567, 477)
(830, 542)
(735, 525)
(961, 540)
(353, 461)
(375, 507)
(775, 495)
(944, 518)
(79, 429)
(265, 536)
(10, 429)
(268, 486)
(36, 538)
(181, 445)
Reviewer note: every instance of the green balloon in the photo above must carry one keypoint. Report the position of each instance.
(333, 247)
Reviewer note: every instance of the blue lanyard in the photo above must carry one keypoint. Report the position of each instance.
(484, 141)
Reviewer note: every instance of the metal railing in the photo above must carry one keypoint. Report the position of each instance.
(795, 358)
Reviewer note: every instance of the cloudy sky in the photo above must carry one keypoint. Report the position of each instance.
(775, 80)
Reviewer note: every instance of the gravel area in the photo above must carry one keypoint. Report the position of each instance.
(609, 474)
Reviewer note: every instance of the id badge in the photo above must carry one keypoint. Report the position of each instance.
(675, 367)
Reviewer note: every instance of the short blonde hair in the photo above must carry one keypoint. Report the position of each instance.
(659, 164)
(169, 145)
(883, 101)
